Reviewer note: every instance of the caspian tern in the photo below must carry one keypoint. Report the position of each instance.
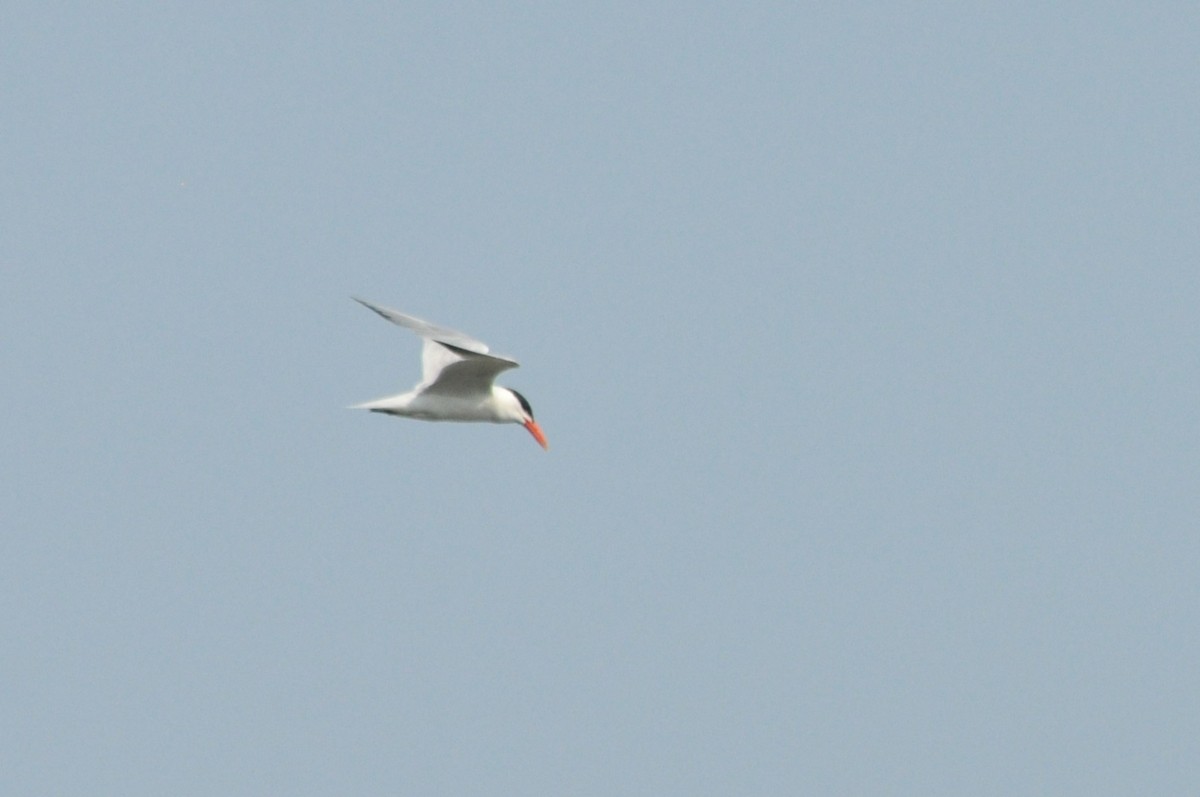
(457, 376)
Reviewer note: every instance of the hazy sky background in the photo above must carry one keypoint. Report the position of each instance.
(864, 336)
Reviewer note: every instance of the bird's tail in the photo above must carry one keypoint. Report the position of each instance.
(377, 404)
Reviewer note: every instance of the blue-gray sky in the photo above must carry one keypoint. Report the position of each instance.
(864, 336)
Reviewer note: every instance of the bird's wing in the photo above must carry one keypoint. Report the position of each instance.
(456, 371)
(451, 362)
(428, 330)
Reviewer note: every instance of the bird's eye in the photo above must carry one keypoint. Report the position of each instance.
(524, 404)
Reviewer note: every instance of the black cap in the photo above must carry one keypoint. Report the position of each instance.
(524, 403)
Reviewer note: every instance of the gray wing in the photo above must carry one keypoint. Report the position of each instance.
(426, 329)
(457, 371)
(451, 361)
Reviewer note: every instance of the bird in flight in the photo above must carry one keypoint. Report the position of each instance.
(457, 380)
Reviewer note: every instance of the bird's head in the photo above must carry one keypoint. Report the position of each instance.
(517, 408)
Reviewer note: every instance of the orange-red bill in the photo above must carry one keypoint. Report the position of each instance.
(536, 431)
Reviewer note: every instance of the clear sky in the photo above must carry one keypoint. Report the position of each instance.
(864, 336)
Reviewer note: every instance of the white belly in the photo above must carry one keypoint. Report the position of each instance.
(434, 407)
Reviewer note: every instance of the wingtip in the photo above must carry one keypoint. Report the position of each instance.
(373, 308)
